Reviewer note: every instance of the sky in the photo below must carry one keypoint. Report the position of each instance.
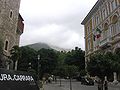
(54, 22)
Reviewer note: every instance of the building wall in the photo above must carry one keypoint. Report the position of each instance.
(9, 12)
(103, 17)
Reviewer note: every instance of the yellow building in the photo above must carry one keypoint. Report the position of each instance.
(102, 27)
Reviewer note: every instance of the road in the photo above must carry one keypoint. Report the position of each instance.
(75, 86)
(66, 86)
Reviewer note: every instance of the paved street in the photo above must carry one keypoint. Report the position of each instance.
(66, 84)
(75, 86)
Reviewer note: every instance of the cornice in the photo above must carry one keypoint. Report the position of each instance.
(92, 11)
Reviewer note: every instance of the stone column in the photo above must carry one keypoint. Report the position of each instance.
(115, 78)
(16, 65)
(105, 78)
(8, 66)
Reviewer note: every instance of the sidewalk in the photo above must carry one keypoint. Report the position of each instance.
(76, 86)
(53, 86)
(113, 86)
(66, 86)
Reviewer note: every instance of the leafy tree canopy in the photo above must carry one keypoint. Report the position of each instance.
(48, 60)
(76, 57)
(103, 64)
(28, 55)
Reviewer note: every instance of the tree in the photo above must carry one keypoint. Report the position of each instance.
(15, 55)
(103, 64)
(28, 55)
(76, 57)
(1, 52)
(48, 61)
(1, 46)
(116, 61)
(98, 66)
(60, 69)
(71, 71)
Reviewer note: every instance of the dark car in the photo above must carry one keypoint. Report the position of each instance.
(87, 81)
(78, 78)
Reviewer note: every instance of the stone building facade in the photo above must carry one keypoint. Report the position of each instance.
(11, 26)
(102, 27)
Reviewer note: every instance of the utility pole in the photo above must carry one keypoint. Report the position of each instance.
(70, 83)
(38, 67)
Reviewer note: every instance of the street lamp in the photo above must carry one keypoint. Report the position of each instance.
(29, 65)
(38, 67)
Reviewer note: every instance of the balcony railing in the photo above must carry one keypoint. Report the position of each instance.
(115, 29)
(116, 39)
(105, 42)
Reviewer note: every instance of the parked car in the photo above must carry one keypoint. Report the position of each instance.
(87, 81)
(78, 78)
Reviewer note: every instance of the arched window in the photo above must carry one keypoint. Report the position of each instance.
(117, 50)
(113, 4)
(114, 19)
(115, 25)
(6, 45)
(105, 31)
(105, 26)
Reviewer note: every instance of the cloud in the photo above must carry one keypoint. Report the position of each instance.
(55, 22)
(52, 34)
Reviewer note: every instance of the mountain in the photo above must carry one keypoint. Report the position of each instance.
(58, 48)
(38, 46)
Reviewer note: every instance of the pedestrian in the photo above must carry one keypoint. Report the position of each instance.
(44, 80)
(100, 85)
(105, 83)
(55, 79)
(50, 79)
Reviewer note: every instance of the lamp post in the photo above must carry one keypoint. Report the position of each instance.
(38, 67)
(29, 65)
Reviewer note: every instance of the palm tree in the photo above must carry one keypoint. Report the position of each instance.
(15, 55)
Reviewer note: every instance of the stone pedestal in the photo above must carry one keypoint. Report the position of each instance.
(115, 78)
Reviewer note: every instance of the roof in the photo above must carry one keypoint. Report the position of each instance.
(21, 17)
(93, 10)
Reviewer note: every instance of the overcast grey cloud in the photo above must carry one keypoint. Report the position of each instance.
(55, 22)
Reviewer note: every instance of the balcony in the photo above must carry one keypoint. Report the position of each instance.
(20, 27)
(115, 29)
(115, 40)
(105, 43)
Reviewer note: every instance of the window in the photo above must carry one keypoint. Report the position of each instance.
(105, 26)
(113, 4)
(97, 20)
(115, 25)
(105, 31)
(104, 14)
(11, 14)
(88, 30)
(89, 44)
(6, 45)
